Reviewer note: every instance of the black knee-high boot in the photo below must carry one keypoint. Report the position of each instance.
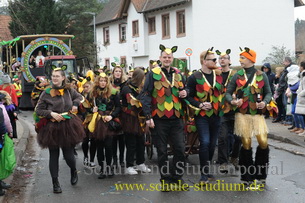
(246, 165)
(261, 163)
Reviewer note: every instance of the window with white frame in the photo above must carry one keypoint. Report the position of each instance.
(165, 26)
(122, 28)
(106, 35)
(180, 23)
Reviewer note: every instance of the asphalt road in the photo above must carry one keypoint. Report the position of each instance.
(285, 183)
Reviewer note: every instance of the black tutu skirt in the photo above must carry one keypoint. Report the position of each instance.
(66, 133)
(130, 124)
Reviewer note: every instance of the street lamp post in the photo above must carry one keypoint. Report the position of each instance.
(94, 37)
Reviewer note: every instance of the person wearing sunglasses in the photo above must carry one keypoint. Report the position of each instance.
(253, 93)
(205, 92)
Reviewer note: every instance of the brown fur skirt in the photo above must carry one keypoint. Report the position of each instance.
(66, 133)
(130, 124)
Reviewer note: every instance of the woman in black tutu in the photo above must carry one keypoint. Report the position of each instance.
(133, 123)
(59, 127)
(106, 106)
(118, 79)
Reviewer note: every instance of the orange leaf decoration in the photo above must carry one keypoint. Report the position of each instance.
(161, 92)
(175, 99)
(206, 87)
(242, 82)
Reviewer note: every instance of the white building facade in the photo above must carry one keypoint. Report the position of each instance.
(138, 27)
(3, 3)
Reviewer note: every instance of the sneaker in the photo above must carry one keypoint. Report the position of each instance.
(223, 168)
(143, 168)
(85, 161)
(131, 171)
(92, 165)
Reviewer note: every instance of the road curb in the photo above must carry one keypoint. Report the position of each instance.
(285, 139)
(23, 142)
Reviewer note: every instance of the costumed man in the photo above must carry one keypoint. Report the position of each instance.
(206, 93)
(253, 93)
(228, 143)
(162, 107)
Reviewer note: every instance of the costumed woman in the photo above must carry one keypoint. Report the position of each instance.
(105, 101)
(118, 80)
(89, 136)
(58, 126)
(133, 123)
(5, 127)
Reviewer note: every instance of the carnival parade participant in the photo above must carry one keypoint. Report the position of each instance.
(133, 123)
(253, 93)
(59, 127)
(205, 92)
(105, 101)
(5, 127)
(11, 110)
(228, 143)
(40, 85)
(89, 136)
(118, 80)
(18, 87)
(162, 107)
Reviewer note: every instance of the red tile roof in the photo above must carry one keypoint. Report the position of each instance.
(5, 33)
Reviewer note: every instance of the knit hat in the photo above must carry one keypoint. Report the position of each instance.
(249, 54)
(6, 79)
(2, 96)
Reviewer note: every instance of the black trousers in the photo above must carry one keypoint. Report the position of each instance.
(118, 138)
(68, 154)
(85, 147)
(165, 130)
(134, 146)
(104, 149)
(224, 149)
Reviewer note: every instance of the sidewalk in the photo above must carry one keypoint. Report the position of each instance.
(281, 133)
(20, 145)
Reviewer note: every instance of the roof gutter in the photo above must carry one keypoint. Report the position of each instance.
(164, 7)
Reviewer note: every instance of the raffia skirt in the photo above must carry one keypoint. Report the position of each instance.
(66, 133)
(248, 126)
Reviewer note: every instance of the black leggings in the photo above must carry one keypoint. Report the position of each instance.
(85, 147)
(68, 153)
